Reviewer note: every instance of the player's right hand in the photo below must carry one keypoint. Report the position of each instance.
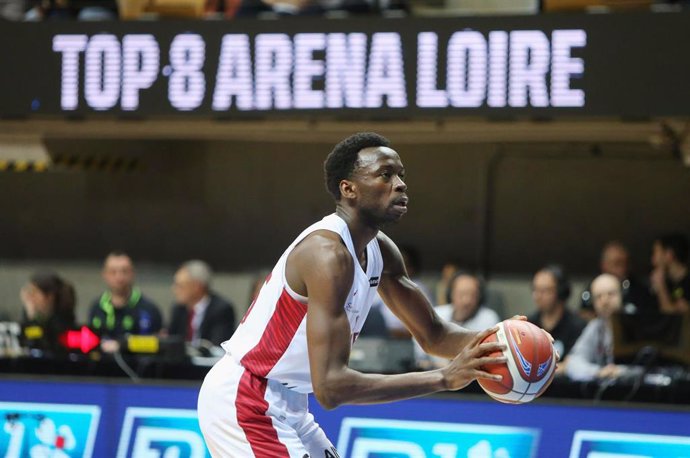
(466, 366)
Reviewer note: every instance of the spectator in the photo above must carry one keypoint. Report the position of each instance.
(670, 278)
(200, 314)
(465, 306)
(466, 303)
(592, 355)
(448, 271)
(615, 260)
(49, 303)
(122, 309)
(550, 291)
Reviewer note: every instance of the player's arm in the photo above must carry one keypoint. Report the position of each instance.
(436, 336)
(326, 269)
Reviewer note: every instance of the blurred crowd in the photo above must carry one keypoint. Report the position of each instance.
(200, 317)
(616, 308)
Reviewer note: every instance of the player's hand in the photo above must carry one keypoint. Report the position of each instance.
(551, 339)
(466, 366)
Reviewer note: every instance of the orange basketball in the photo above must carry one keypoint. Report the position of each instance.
(531, 363)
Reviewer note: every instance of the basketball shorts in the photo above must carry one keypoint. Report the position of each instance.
(244, 416)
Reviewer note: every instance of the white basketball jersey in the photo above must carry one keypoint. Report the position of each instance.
(271, 340)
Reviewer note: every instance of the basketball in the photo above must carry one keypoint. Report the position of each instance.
(530, 366)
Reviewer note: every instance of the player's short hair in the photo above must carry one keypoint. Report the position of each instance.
(677, 243)
(341, 161)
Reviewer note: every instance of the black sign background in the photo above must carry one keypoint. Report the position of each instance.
(636, 65)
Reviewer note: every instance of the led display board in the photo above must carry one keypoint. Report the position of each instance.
(529, 66)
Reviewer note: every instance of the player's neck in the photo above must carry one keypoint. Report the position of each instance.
(362, 233)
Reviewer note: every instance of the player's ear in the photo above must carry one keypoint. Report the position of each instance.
(348, 189)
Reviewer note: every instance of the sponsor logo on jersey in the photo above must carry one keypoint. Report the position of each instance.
(373, 281)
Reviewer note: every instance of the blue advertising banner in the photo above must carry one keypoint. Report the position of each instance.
(596, 444)
(161, 432)
(108, 419)
(48, 430)
(362, 437)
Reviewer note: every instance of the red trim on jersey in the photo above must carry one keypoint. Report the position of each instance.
(277, 336)
(251, 416)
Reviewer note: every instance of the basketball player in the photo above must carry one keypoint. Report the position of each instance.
(296, 337)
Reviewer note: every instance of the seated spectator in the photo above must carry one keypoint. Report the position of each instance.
(448, 271)
(550, 291)
(466, 303)
(49, 303)
(670, 278)
(122, 309)
(615, 260)
(465, 307)
(592, 354)
(200, 314)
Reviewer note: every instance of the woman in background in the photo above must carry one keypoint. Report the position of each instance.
(49, 303)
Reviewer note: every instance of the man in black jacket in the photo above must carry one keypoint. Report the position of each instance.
(199, 315)
(122, 309)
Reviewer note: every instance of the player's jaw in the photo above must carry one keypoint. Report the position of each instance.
(398, 205)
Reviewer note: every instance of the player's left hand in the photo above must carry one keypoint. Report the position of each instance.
(558, 357)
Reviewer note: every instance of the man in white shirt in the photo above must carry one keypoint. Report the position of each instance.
(465, 307)
(592, 354)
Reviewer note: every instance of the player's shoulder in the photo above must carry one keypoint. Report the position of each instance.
(323, 249)
(389, 250)
(385, 242)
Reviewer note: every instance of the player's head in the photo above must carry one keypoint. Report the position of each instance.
(465, 295)
(550, 288)
(615, 260)
(118, 272)
(669, 249)
(364, 173)
(192, 282)
(606, 295)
